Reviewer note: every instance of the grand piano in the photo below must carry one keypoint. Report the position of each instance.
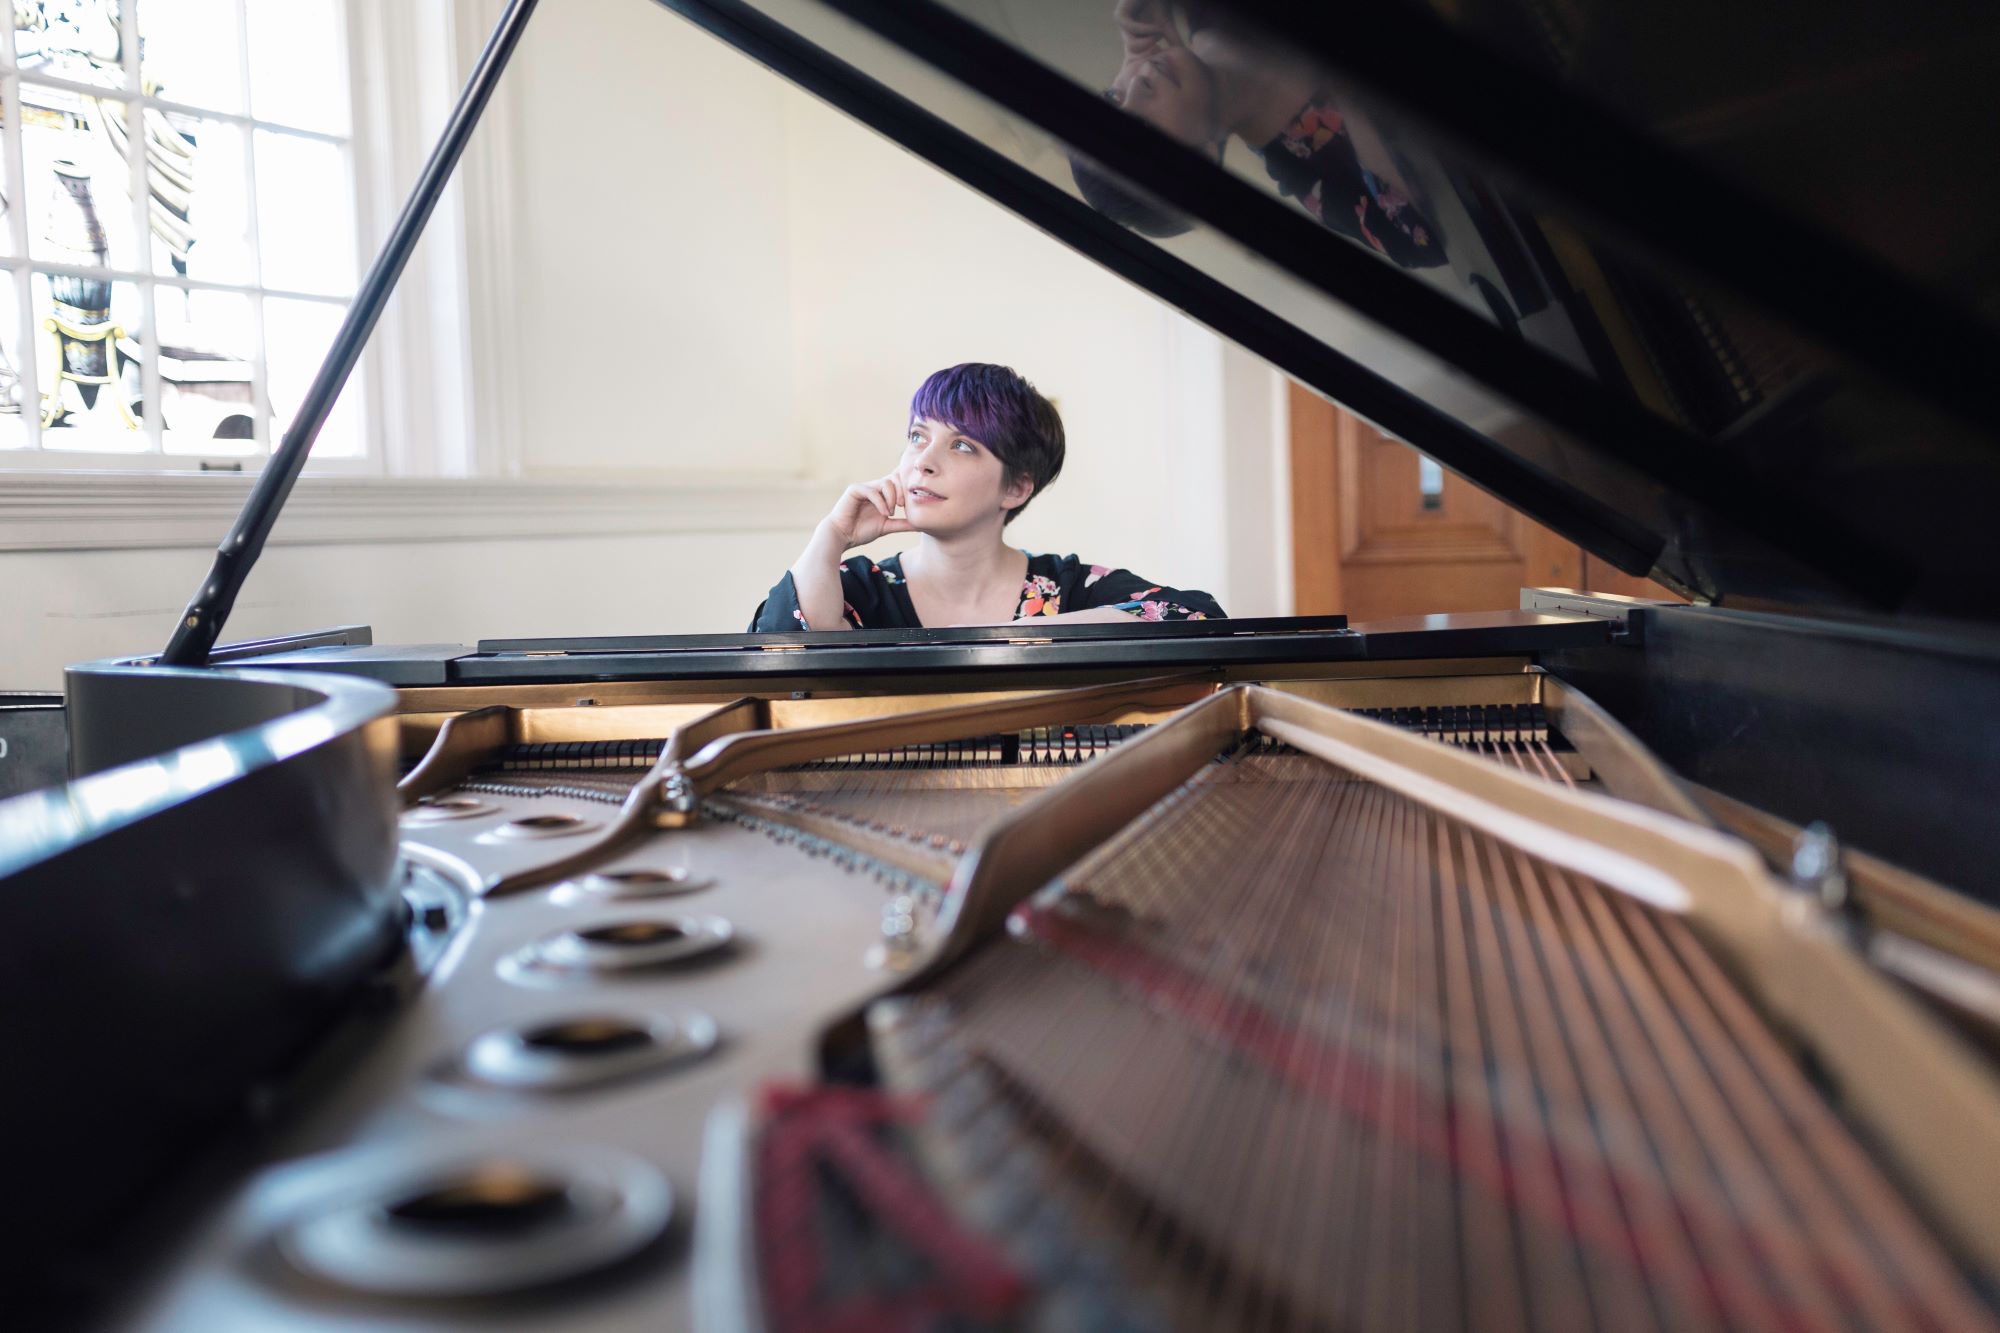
(1607, 962)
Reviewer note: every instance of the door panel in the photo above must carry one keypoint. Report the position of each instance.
(1379, 531)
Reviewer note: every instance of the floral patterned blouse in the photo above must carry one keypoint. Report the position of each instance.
(878, 597)
(1313, 161)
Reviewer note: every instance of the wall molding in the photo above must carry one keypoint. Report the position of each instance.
(73, 511)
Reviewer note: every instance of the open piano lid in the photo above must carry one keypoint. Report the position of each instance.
(1714, 299)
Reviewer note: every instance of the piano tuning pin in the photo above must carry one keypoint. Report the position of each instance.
(956, 1103)
(1048, 1241)
(939, 1068)
(890, 1016)
(1021, 1174)
(1816, 865)
(988, 1141)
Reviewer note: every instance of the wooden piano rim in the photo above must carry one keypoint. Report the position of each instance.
(1891, 899)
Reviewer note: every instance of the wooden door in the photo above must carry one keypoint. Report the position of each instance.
(1379, 531)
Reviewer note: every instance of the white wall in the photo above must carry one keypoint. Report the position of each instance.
(713, 278)
(653, 278)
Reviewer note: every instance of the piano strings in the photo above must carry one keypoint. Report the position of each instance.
(916, 809)
(599, 771)
(1294, 1051)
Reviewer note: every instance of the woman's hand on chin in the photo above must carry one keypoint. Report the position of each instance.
(867, 511)
(1144, 24)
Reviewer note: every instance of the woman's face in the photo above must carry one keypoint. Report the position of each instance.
(952, 481)
(1170, 89)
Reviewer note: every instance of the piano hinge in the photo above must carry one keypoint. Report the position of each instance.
(546, 652)
(782, 647)
(1025, 642)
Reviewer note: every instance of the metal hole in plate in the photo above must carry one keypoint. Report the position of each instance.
(586, 1036)
(393, 1224)
(542, 826)
(617, 946)
(628, 884)
(587, 1049)
(634, 934)
(437, 810)
(499, 1200)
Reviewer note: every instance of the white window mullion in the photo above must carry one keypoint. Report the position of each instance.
(142, 233)
(28, 363)
(133, 275)
(185, 108)
(260, 380)
(28, 355)
(30, 383)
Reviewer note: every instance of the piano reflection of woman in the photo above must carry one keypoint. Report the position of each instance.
(981, 444)
(1221, 82)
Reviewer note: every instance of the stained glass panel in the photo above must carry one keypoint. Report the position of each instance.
(89, 338)
(78, 181)
(207, 381)
(190, 51)
(201, 176)
(297, 335)
(13, 393)
(78, 40)
(297, 73)
(304, 219)
(200, 208)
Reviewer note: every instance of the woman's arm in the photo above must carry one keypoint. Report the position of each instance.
(1096, 588)
(864, 512)
(1102, 615)
(816, 580)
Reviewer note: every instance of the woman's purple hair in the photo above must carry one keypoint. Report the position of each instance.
(1002, 411)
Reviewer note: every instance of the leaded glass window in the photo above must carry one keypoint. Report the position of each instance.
(177, 228)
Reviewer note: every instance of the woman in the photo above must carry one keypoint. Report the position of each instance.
(981, 444)
(1221, 82)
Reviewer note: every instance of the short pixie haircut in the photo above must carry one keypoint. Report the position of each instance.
(1002, 411)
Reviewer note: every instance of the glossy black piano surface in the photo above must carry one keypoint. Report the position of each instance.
(548, 1035)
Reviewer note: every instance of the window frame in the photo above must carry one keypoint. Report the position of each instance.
(20, 267)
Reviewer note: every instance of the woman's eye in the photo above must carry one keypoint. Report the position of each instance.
(962, 447)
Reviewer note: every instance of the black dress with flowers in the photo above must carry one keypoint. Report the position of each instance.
(1313, 161)
(878, 597)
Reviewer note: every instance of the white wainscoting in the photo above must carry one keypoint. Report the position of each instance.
(111, 511)
(95, 570)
